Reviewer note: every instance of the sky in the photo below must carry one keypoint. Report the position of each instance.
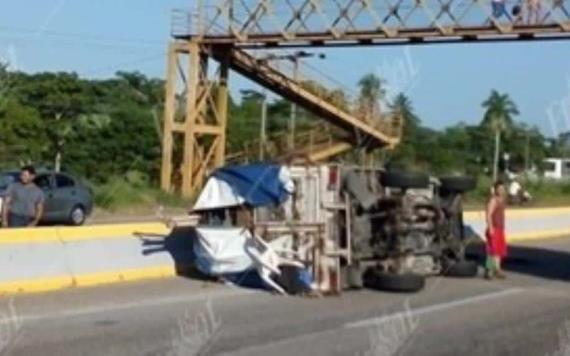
(447, 82)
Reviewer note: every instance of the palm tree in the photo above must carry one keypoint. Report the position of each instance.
(371, 94)
(403, 106)
(500, 109)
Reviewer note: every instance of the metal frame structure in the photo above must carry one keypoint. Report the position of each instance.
(196, 106)
(198, 114)
(258, 23)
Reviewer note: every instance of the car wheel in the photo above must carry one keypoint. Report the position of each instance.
(405, 180)
(458, 184)
(77, 216)
(462, 269)
(406, 283)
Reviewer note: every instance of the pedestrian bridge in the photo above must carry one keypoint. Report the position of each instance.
(229, 31)
(353, 22)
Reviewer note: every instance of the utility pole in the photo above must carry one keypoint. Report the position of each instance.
(201, 17)
(293, 118)
(527, 153)
(263, 129)
(497, 151)
(230, 16)
(294, 58)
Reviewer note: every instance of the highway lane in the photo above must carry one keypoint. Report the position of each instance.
(528, 314)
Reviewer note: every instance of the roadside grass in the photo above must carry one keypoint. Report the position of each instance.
(134, 193)
(545, 193)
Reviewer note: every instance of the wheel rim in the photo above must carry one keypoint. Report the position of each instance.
(77, 215)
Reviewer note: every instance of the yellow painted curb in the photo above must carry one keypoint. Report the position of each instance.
(538, 235)
(110, 231)
(521, 213)
(87, 280)
(42, 234)
(68, 234)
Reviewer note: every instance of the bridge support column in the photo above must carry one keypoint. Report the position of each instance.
(195, 118)
(168, 121)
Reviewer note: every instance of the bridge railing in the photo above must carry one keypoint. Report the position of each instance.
(318, 136)
(330, 89)
(391, 18)
(281, 144)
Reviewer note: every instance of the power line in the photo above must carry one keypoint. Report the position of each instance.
(120, 48)
(78, 36)
(124, 64)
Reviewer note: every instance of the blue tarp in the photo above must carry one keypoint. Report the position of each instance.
(258, 183)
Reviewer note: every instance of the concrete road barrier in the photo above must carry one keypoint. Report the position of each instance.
(527, 224)
(43, 259)
(34, 260)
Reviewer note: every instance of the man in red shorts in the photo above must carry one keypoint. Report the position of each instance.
(496, 241)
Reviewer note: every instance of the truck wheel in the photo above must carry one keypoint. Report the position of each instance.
(462, 269)
(404, 180)
(352, 277)
(458, 184)
(406, 283)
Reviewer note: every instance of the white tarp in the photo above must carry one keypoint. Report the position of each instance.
(220, 251)
(219, 194)
(287, 180)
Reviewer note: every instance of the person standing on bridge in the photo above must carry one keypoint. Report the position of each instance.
(499, 9)
(24, 204)
(496, 240)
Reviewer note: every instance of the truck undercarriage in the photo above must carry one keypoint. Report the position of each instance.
(412, 228)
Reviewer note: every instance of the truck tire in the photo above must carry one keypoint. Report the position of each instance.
(404, 180)
(458, 184)
(462, 269)
(404, 283)
(352, 277)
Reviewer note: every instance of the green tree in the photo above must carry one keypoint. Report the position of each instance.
(60, 99)
(405, 153)
(5, 84)
(499, 112)
(371, 94)
(403, 106)
(22, 138)
(244, 124)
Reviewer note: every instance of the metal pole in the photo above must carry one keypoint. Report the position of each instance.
(527, 154)
(222, 109)
(169, 112)
(230, 16)
(200, 24)
(263, 133)
(497, 150)
(293, 118)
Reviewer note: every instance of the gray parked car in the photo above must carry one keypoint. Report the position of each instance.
(67, 201)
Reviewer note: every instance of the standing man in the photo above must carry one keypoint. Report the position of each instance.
(533, 8)
(496, 241)
(24, 204)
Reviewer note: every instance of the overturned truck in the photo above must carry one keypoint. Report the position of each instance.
(352, 227)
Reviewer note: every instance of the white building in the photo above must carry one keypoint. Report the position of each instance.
(556, 168)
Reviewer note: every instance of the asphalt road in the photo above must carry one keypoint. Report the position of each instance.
(527, 314)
